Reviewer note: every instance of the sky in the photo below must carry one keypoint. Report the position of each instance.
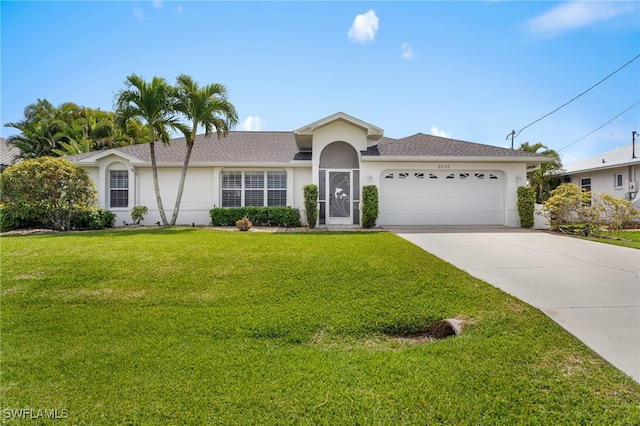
(472, 71)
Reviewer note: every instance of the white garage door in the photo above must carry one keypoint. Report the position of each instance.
(428, 197)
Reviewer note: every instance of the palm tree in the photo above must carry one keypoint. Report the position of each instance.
(37, 130)
(203, 106)
(154, 104)
(541, 178)
(35, 140)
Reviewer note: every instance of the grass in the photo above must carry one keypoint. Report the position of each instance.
(628, 238)
(193, 326)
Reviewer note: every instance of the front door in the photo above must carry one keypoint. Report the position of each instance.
(340, 202)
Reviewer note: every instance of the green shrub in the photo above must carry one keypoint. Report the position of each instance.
(92, 218)
(617, 213)
(526, 206)
(49, 190)
(369, 205)
(565, 205)
(571, 209)
(138, 212)
(259, 216)
(311, 204)
(14, 217)
(83, 218)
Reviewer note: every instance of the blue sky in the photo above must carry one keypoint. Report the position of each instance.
(467, 70)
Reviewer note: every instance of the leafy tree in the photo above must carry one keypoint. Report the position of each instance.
(153, 103)
(203, 106)
(47, 189)
(542, 178)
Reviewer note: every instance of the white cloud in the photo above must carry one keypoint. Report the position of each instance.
(364, 28)
(180, 10)
(253, 123)
(437, 132)
(138, 13)
(407, 51)
(157, 4)
(576, 14)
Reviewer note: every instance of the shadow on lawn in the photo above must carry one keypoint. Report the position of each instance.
(109, 232)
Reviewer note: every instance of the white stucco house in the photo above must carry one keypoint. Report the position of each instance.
(614, 172)
(422, 179)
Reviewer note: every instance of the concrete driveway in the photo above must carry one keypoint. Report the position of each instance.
(591, 289)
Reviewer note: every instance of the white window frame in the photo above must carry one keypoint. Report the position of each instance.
(250, 183)
(584, 185)
(117, 188)
(618, 181)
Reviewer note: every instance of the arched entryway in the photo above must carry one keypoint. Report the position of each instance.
(339, 185)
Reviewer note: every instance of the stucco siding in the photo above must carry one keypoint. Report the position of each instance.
(603, 181)
(197, 198)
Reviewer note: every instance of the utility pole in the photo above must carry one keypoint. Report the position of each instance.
(512, 135)
(633, 144)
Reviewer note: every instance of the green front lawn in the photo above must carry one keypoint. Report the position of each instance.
(628, 238)
(194, 326)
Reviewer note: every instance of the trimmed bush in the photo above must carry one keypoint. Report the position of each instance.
(311, 204)
(92, 218)
(48, 190)
(259, 216)
(526, 206)
(369, 205)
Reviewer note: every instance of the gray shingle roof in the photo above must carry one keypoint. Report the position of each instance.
(8, 153)
(280, 147)
(236, 147)
(435, 146)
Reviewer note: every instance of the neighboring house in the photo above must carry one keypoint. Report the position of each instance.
(615, 172)
(422, 179)
(8, 154)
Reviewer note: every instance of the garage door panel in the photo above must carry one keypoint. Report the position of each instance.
(427, 197)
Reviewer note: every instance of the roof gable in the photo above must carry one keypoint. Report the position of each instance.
(304, 134)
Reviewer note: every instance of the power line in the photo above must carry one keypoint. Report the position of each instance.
(595, 130)
(513, 134)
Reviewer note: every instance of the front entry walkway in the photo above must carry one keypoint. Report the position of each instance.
(591, 289)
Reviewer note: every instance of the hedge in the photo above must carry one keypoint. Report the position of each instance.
(311, 204)
(369, 205)
(259, 216)
(526, 206)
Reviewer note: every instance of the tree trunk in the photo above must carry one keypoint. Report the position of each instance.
(183, 176)
(156, 187)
